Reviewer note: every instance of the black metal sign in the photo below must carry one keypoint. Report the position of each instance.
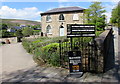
(75, 61)
(76, 64)
(80, 30)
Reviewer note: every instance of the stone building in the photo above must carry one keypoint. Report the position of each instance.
(54, 22)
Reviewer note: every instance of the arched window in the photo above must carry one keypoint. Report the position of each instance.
(75, 17)
(61, 26)
(48, 29)
(48, 18)
(61, 17)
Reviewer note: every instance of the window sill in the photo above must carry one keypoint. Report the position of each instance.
(75, 20)
(61, 20)
(49, 33)
(48, 21)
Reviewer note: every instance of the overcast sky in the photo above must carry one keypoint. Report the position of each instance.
(30, 9)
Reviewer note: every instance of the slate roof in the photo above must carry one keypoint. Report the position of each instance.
(16, 27)
(63, 10)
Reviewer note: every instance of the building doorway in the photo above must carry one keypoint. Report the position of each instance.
(61, 31)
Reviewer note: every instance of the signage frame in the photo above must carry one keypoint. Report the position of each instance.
(75, 56)
(80, 30)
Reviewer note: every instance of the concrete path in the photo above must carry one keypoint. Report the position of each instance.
(13, 58)
(18, 66)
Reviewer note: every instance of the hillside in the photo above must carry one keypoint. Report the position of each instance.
(20, 22)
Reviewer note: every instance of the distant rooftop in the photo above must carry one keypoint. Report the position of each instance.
(63, 10)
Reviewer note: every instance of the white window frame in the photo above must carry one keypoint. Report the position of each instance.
(48, 29)
(48, 18)
(75, 17)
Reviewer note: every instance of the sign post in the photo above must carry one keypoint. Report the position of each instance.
(75, 57)
(75, 61)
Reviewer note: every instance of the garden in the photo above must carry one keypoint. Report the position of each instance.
(45, 50)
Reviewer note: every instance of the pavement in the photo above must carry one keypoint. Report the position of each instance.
(14, 58)
(18, 66)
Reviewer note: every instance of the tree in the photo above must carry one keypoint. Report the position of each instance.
(18, 33)
(94, 15)
(87, 15)
(3, 26)
(35, 26)
(115, 17)
(27, 31)
(5, 33)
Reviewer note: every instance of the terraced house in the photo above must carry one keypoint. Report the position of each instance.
(54, 22)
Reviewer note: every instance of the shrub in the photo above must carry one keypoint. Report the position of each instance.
(5, 33)
(36, 32)
(26, 45)
(18, 33)
(51, 54)
(44, 49)
(27, 31)
(51, 47)
(37, 41)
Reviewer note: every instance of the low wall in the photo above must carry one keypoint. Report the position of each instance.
(105, 50)
(12, 39)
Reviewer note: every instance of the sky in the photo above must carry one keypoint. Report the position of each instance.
(30, 10)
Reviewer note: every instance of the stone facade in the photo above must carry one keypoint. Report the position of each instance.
(55, 23)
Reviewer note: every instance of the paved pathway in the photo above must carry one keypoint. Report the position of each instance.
(18, 66)
(14, 58)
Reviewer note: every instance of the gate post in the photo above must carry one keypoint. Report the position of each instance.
(60, 51)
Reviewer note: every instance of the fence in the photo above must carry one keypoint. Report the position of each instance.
(94, 53)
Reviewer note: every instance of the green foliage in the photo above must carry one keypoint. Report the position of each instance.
(11, 34)
(3, 27)
(0, 33)
(99, 26)
(11, 23)
(115, 19)
(5, 33)
(98, 33)
(26, 44)
(44, 49)
(51, 47)
(27, 31)
(36, 32)
(35, 26)
(37, 41)
(18, 33)
(50, 54)
(94, 14)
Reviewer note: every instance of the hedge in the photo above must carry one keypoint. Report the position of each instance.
(44, 49)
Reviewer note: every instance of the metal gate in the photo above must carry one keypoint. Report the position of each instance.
(82, 44)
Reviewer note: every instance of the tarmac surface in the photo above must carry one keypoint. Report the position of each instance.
(18, 66)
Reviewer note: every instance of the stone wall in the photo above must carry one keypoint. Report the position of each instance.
(105, 50)
(12, 39)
